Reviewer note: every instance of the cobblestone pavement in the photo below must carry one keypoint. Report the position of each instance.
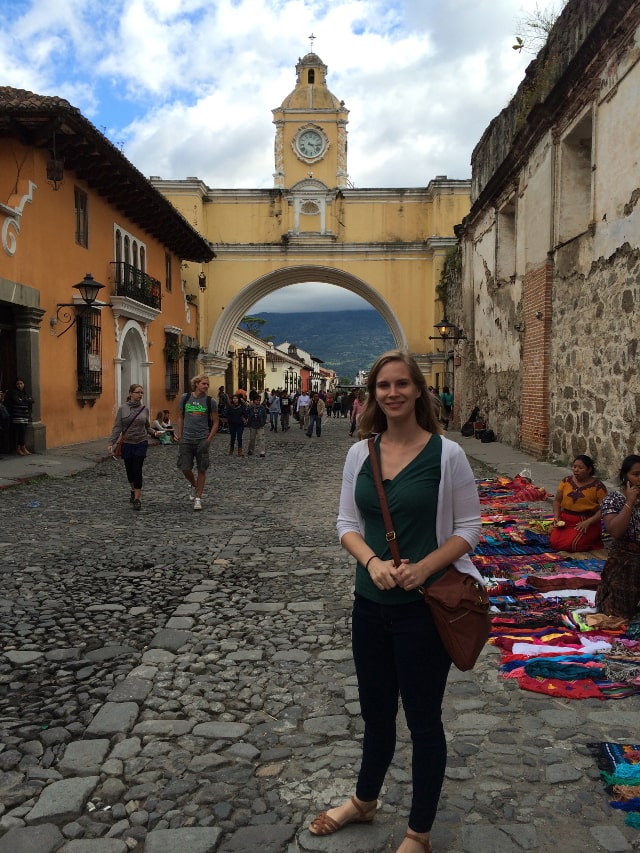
(180, 682)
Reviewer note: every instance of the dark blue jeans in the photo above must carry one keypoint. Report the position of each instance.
(398, 653)
(235, 433)
(317, 421)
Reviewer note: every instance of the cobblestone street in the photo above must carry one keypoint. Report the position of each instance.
(180, 682)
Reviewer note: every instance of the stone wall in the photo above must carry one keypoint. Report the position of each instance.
(595, 396)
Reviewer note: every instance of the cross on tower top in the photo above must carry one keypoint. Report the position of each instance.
(312, 38)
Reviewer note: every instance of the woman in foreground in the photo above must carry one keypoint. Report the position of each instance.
(397, 651)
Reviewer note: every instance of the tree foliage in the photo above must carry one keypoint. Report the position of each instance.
(255, 325)
(534, 27)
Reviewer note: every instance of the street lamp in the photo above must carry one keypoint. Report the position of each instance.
(447, 332)
(88, 289)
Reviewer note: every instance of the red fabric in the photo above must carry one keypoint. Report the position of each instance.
(583, 689)
(567, 538)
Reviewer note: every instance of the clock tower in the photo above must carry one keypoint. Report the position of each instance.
(311, 131)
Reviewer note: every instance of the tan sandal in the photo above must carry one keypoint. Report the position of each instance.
(325, 825)
(426, 843)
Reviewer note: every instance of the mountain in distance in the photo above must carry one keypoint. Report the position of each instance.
(346, 341)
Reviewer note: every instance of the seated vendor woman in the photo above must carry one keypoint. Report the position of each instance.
(619, 591)
(576, 509)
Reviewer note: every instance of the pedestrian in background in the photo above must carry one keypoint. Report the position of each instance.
(132, 424)
(197, 424)
(274, 409)
(256, 420)
(19, 404)
(356, 411)
(317, 409)
(285, 410)
(397, 649)
(447, 406)
(237, 420)
(302, 407)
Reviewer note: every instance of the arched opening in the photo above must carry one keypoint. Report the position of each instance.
(311, 78)
(134, 364)
(241, 304)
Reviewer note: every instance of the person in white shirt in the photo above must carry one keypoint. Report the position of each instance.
(302, 408)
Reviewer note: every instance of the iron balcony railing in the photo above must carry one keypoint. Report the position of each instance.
(135, 284)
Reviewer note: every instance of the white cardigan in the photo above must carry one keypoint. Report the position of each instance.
(459, 517)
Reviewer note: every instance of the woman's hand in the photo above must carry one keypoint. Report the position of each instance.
(410, 575)
(382, 573)
(631, 494)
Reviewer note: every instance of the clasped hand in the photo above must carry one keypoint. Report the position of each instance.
(387, 576)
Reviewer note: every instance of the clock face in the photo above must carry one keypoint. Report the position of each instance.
(310, 143)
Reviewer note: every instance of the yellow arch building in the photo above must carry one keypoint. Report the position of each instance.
(386, 245)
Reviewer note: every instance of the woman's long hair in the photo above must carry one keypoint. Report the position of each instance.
(627, 464)
(373, 418)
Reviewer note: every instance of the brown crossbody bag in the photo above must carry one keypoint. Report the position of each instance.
(459, 604)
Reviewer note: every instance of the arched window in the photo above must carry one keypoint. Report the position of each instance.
(143, 259)
(134, 254)
(312, 77)
(118, 253)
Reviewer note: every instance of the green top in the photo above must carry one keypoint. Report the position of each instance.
(412, 496)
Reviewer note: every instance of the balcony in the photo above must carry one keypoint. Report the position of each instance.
(136, 295)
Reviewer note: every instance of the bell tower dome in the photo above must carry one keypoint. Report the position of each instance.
(311, 130)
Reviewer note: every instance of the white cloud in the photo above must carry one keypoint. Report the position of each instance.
(188, 85)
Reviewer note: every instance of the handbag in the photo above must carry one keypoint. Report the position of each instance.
(117, 450)
(459, 603)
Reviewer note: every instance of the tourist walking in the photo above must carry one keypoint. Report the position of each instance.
(256, 420)
(396, 647)
(302, 407)
(237, 420)
(132, 425)
(197, 424)
(317, 409)
(20, 404)
(356, 411)
(285, 410)
(274, 410)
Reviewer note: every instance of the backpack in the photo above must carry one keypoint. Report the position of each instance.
(183, 401)
(488, 435)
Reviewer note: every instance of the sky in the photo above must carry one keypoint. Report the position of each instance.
(186, 87)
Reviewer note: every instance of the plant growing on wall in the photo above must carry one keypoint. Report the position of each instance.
(172, 351)
(450, 275)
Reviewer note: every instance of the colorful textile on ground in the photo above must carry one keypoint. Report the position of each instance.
(619, 765)
(542, 602)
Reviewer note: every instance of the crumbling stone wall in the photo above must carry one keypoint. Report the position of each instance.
(595, 386)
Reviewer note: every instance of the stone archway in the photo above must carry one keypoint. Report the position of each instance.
(241, 303)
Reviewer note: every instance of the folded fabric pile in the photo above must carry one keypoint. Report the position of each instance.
(619, 765)
(543, 619)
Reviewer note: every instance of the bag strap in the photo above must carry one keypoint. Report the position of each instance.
(384, 506)
(125, 431)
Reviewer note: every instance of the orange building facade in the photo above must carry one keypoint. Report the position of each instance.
(70, 205)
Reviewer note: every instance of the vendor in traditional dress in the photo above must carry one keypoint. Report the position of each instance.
(619, 590)
(576, 509)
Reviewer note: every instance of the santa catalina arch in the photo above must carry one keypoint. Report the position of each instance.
(388, 245)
